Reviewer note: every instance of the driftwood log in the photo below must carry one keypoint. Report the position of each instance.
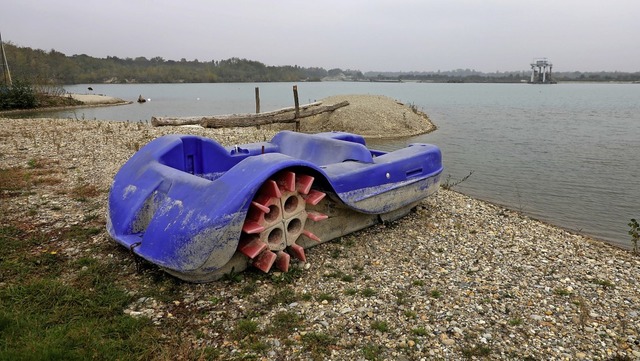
(285, 115)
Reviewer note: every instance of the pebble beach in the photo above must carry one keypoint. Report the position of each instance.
(457, 278)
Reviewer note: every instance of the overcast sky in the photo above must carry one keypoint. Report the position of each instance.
(384, 35)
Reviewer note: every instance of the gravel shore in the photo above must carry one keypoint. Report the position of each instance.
(456, 278)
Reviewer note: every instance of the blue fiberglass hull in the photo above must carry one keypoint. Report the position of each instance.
(181, 201)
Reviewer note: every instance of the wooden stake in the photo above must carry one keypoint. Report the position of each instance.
(257, 100)
(257, 103)
(297, 107)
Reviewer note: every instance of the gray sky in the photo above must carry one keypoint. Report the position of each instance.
(386, 35)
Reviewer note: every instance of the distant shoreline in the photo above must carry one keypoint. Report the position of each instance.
(88, 100)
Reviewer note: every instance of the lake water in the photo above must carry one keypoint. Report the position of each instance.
(568, 154)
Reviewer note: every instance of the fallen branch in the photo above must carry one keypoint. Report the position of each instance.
(162, 121)
(259, 119)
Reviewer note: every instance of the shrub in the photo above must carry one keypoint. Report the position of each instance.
(18, 96)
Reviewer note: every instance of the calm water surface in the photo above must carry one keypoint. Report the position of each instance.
(568, 154)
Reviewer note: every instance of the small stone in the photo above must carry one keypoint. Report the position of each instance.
(411, 343)
(581, 355)
(448, 342)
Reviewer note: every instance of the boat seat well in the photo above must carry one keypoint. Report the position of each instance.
(321, 150)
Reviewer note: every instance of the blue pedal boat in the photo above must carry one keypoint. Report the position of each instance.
(200, 210)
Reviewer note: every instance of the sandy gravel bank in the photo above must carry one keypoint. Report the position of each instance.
(457, 278)
(98, 99)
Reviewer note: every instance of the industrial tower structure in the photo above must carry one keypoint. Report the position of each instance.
(541, 72)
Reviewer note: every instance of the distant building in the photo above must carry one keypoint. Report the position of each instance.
(541, 72)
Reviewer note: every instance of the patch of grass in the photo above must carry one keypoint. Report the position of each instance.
(515, 321)
(419, 331)
(435, 293)
(244, 328)
(381, 326)
(18, 261)
(46, 319)
(258, 346)
(33, 163)
(350, 291)
(249, 289)
(283, 296)
(561, 292)
(335, 274)
(401, 298)
(410, 314)
(285, 322)
(346, 278)
(83, 192)
(13, 181)
(476, 351)
(233, 276)
(79, 233)
(325, 297)
(289, 277)
(372, 352)
(318, 343)
(604, 283)
(418, 283)
(368, 292)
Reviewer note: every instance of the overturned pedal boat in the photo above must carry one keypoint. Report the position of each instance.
(200, 210)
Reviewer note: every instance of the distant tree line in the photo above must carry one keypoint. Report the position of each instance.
(52, 67)
(55, 67)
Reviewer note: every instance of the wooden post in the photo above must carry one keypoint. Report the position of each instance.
(257, 100)
(257, 103)
(297, 107)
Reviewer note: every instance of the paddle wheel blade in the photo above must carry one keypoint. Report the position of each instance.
(282, 261)
(269, 189)
(316, 216)
(314, 197)
(251, 227)
(303, 183)
(287, 180)
(260, 207)
(311, 235)
(297, 252)
(265, 260)
(251, 247)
